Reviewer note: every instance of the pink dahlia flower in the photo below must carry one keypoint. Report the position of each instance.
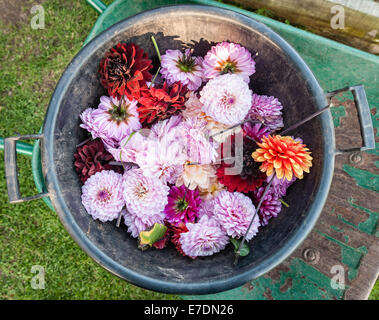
(178, 66)
(183, 205)
(267, 110)
(226, 98)
(196, 142)
(162, 159)
(102, 195)
(112, 121)
(234, 211)
(144, 196)
(203, 238)
(128, 148)
(167, 129)
(228, 57)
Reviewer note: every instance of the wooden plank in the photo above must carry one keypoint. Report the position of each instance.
(361, 29)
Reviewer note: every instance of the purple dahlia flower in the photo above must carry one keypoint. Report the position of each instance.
(270, 207)
(228, 57)
(255, 131)
(102, 195)
(234, 211)
(183, 205)
(267, 110)
(279, 186)
(203, 238)
(178, 66)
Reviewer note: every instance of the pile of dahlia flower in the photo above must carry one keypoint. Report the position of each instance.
(189, 156)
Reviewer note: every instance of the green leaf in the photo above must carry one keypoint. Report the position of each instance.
(149, 237)
(245, 250)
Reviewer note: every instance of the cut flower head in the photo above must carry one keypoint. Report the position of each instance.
(124, 70)
(284, 155)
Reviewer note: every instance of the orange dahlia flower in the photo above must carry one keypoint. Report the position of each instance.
(284, 154)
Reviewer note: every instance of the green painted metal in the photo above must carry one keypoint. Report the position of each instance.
(335, 66)
(365, 179)
(23, 148)
(300, 282)
(98, 5)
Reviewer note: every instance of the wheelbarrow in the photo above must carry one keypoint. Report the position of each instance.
(36, 160)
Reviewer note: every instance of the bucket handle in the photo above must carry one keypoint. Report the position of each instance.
(11, 169)
(364, 115)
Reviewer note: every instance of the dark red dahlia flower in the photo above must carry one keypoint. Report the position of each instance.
(250, 177)
(91, 158)
(124, 70)
(161, 102)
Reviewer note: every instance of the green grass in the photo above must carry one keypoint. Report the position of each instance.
(31, 62)
(30, 233)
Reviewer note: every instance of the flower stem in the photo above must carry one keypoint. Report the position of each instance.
(152, 81)
(156, 48)
(284, 203)
(252, 220)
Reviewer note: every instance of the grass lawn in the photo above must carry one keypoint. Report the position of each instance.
(30, 233)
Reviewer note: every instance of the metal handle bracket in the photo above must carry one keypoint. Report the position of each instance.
(11, 169)
(364, 115)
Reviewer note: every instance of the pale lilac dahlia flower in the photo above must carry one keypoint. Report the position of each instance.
(183, 205)
(113, 120)
(162, 159)
(271, 205)
(203, 238)
(179, 66)
(145, 197)
(138, 223)
(228, 57)
(102, 195)
(234, 211)
(267, 110)
(206, 207)
(226, 98)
